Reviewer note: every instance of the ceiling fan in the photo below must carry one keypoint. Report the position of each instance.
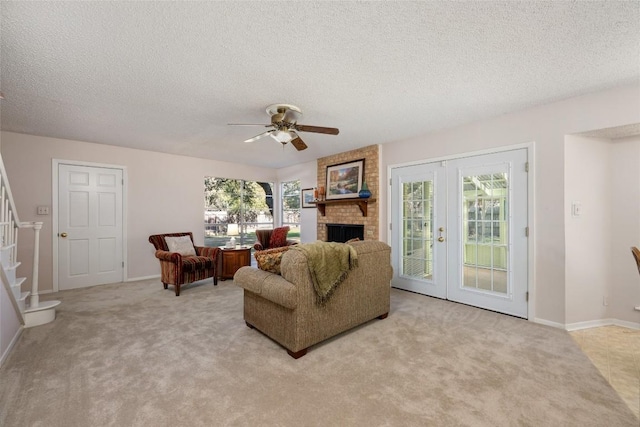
(285, 127)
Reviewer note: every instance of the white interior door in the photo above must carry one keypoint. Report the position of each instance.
(418, 216)
(90, 226)
(459, 230)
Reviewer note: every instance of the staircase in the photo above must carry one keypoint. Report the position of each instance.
(30, 311)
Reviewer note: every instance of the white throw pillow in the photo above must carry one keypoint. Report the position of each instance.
(181, 244)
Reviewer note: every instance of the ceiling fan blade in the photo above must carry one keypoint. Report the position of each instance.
(317, 129)
(257, 137)
(298, 143)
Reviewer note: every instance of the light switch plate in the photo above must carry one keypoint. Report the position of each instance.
(576, 208)
(43, 210)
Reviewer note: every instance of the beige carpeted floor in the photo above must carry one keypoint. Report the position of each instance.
(135, 355)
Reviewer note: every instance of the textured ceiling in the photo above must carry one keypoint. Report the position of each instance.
(169, 76)
(618, 132)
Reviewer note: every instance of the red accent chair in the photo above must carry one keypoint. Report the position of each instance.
(177, 269)
(272, 238)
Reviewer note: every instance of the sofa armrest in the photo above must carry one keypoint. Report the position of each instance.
(207, 251)
(258, 246)
(268, 285)
(169, 256)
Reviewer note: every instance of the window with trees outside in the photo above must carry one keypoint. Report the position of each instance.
(290, 191)
(236, 208)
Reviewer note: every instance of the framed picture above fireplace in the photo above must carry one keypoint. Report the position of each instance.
(344, 180)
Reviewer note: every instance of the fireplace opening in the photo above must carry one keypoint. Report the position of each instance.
(343, 232)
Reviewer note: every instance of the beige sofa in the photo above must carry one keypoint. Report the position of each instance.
(284, 307)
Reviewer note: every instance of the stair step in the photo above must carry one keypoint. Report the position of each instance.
(16, 287)
(45, 312)
(22, 301)
(14, 266)
(11, 272)
(5, 255)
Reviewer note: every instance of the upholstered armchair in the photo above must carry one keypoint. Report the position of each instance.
(272, 238)
(181, 262)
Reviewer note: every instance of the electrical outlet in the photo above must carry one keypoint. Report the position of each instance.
(43, 210)
(605, 301)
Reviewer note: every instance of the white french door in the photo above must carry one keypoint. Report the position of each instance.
(90, 226)
(459, 230)
(419, 210)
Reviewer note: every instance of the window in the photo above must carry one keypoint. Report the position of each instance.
(236, 208)
(291, 208)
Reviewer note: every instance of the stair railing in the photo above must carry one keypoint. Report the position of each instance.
(10, 224)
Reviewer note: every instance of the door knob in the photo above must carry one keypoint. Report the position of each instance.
(440, 238)
(63, 234)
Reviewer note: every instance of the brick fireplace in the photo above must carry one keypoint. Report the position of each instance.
(350, 213)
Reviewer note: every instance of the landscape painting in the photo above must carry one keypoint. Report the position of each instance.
(344, 180)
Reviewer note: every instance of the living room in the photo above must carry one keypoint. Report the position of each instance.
(164, 190)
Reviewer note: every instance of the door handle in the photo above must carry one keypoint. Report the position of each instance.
(63, 234)
(440, 238)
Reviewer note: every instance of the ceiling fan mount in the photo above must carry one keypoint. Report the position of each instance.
(284, 124)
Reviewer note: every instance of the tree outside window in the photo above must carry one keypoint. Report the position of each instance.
(233, 204)
(291, 208)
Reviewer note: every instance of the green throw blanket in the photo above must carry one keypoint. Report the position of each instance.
(329, 265)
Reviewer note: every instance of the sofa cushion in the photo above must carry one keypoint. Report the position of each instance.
(195, 263)
(182, 245)
(278, 237)
(269, 260)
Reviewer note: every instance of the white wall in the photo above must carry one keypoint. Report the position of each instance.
(588, 182)
(546, 126)
(604, 175)
(165, 193)
(308, 176)
(9, 324)
(625, 229)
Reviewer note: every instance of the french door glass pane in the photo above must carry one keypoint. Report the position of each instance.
(485, 231)
(417, 239)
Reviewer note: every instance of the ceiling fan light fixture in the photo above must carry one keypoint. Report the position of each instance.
(282, 136)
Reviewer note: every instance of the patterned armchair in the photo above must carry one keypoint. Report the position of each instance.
(269, 239)
(184, 265)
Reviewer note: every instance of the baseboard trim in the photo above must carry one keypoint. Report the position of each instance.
(136, 279)
(548, 323)
(11, 345)
(588, 324)
(599, 323)
(626, 324)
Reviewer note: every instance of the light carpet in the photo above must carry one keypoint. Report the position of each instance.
(134, 354)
